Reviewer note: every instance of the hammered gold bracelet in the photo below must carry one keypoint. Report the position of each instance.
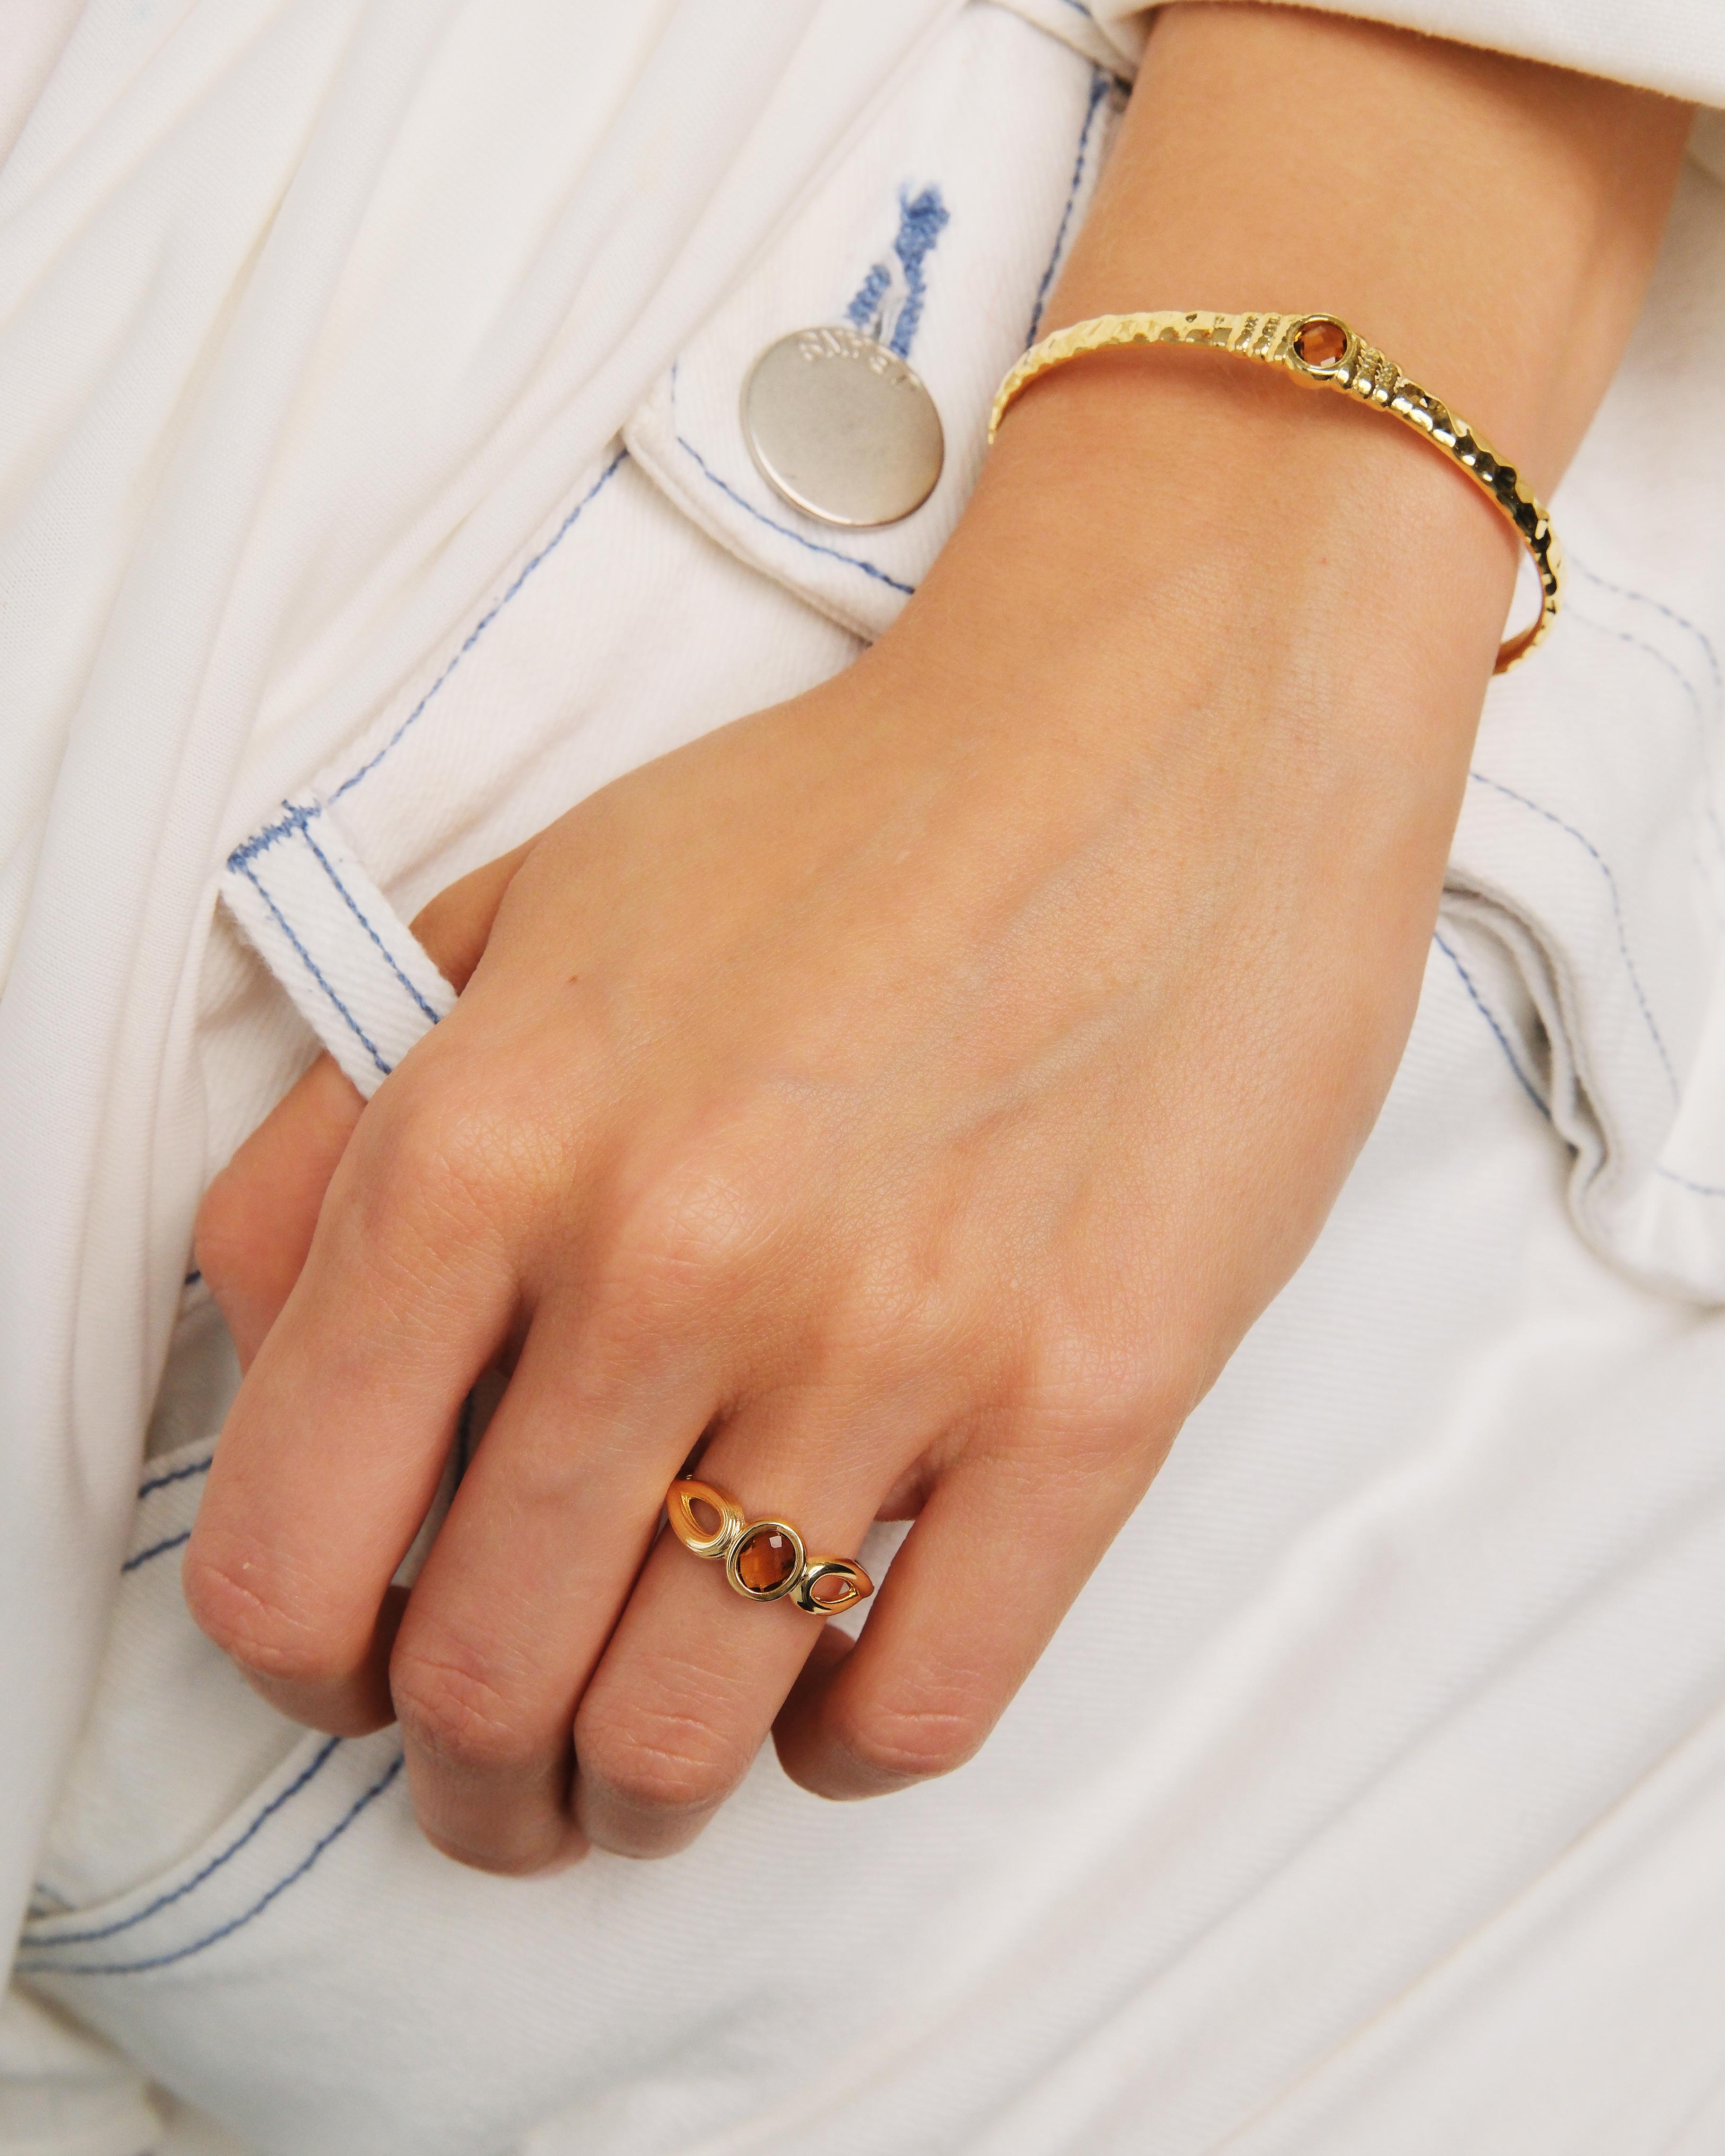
(1323, 349)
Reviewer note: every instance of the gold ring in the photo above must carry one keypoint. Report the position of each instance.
(764, 1560)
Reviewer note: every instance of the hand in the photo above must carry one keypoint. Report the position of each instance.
(909, 1096)
(901, 1100)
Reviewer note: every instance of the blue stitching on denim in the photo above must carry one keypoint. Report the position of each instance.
(371, 1046)
(814, 546)
(353, 908)
(1670, 613)
(175, 1474)
(1503, 1039)
(224, 1931)
(853, 560)
(1701, 636)
(1683, 1182)
(1100, 84)
(297, 817)
(1670, 1174)
(309, 1773)
(863, 308)
(1482, 778)
(921, 223)
(155, 1549)
(482, 624)
(1653, 652)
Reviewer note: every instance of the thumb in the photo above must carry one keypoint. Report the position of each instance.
(256, 1223)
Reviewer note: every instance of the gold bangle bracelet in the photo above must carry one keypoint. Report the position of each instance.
(1323, 349)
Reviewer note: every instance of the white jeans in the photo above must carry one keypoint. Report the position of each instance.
(1372, 1796)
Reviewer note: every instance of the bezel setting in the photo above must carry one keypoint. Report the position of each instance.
(729, 1541)
(1323, 370)
(831, 1568)
(733, 1557)
(680, 1511)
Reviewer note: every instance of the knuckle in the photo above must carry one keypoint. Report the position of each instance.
(701, 1222)
(899, 1741)
(225, 1233)
(658, 1761)
(899, 1317)
(426, 1142)
(234, 1603)
(428, 1182)
(452, 1711)
(1109, 1391)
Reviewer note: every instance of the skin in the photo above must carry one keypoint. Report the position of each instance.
(905, 1098)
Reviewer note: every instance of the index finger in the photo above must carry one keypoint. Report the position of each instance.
(256, 1225)
(332, 1453)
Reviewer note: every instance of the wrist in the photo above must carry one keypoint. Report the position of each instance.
(1191, 625)
(1151, 524)
(1489, 222)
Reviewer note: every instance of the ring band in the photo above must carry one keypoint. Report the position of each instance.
(1323, 351)
(764, 1560)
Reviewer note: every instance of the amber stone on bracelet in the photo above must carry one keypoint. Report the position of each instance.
(1321, 343)
(765, 1560)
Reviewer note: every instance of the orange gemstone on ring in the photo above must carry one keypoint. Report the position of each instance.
(766, 1559)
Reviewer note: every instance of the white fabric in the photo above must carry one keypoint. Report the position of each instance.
(1406, 1558)
(63, 2092)
(354, 971)
(1448, 1526)
(1365, 1741)
(310, 310)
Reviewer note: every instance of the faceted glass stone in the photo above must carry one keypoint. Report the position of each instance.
(1321, 343)
(765, 1559)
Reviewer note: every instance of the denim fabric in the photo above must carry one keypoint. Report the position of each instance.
(1395, 1719)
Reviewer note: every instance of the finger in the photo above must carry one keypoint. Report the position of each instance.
(256, 1223)
(523, 1586)
(695, 1674)
(335, 1445)
(456, 925)
(991, 1567)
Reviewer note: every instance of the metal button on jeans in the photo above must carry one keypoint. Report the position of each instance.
(841, 428)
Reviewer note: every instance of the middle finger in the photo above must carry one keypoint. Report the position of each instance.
(695, 1673)
(520, 1589)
